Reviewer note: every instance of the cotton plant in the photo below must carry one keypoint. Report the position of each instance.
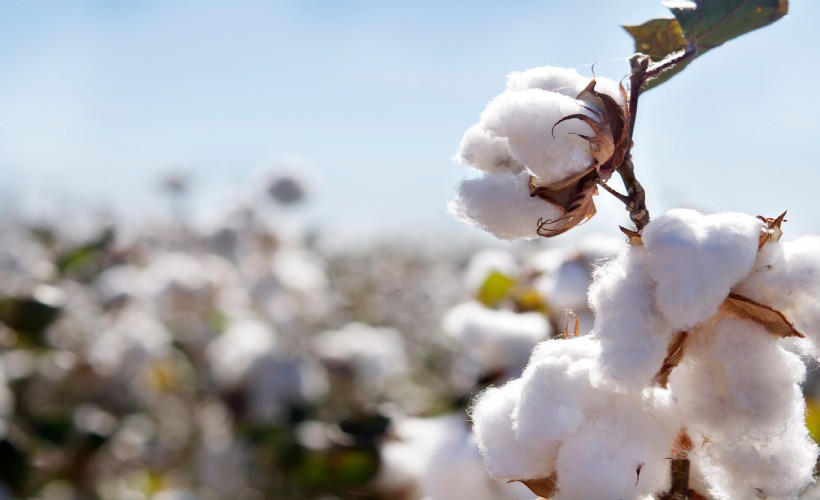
(688, 385)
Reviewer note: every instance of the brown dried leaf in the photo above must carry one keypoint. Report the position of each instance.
(610, 140)
(633, 237)
(561, 194)
(772, 231)
(674, 353)
(581, 210)
(738, 306)
(544, 487)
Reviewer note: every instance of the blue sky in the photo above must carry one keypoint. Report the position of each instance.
(98, 98)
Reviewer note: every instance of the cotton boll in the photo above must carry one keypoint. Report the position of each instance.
(634, 339)
(486, 151)
(621, 452)
(774, 463)
(528, 120)
(696, 259)
(492, 415)
(786, 276)
(498, 341)
(734, 377)
(556, 396)
(501, 204)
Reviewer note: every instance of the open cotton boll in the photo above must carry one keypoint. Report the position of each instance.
(634, 338)
(498, 340)
(620, 452)
(735, 377)
(786, 276)
(758, 463)
(556, 395)
(696, 259)
(526, 119)
(492, 415)
(486, 151)
(566, 81)
(501, 205)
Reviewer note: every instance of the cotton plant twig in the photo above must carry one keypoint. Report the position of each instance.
(642, 70)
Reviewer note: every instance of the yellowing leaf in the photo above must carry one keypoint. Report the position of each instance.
(813, 418)
(495, 289)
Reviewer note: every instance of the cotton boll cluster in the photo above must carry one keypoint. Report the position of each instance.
(674, 368)
(521, 139)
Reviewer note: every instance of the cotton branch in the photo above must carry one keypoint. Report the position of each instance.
(641, 71)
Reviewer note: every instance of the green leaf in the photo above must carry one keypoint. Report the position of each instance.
(709, 23)
(658, 38)
(701, 25)
(495, 289)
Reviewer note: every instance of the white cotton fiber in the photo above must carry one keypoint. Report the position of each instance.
(696, 259)
(486, 151)
(526, 119)
(498, 340)
(621, 452)
(786, 277)
(634, 337)
(739, 393)
(735, 376)
(556, 395)
(501, 204)
(564, 81)
(492, 414)
(774, 466)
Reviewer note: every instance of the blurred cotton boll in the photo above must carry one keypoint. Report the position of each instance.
(437, 459)
(497, 342)
(372, 355)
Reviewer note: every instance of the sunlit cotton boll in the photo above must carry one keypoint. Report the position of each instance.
(487, 152)
(738, 390)
(528, 119)
(696, 259)
(501, 205)
(622, 451)
(786, 276)
(634, 336)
